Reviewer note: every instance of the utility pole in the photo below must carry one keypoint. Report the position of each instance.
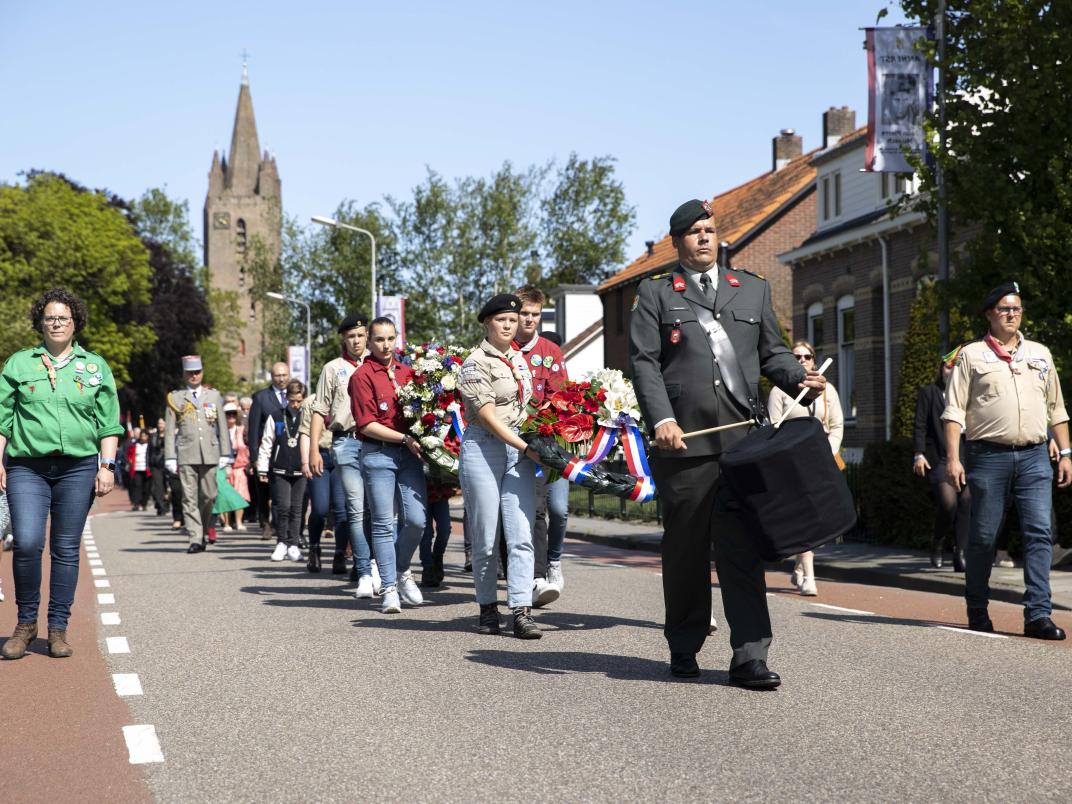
(943, 209)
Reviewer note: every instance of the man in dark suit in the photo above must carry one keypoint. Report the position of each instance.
(267, 402)
(700, 337)
(156, 465)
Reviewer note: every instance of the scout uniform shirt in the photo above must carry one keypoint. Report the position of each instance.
(195, 430)
(69, 418)
(547, 366)
(333, 396)
(374, 395)
(502, 378)
(305, 428)
(1006, 403)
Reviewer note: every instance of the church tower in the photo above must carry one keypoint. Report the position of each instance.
(243, 220)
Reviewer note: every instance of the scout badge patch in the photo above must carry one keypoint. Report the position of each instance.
(548, 361)
(536, 360)
(1041, 365)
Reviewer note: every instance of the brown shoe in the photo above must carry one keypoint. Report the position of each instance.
(15, 647)
(57, 644)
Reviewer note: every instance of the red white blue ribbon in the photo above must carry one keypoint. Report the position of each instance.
(602, 444)
(637, 460)
(457, 423)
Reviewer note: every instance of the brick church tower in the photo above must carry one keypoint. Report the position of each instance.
(243, 207)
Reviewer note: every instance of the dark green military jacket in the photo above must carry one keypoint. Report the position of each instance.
(676, 376)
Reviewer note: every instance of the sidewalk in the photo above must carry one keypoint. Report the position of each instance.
(873, 564)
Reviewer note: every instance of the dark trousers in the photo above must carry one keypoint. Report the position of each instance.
(699, 507)
(139, 490)
(176, 497)
(156, 488)
(436, 533)
(287, 494)
(953, 509)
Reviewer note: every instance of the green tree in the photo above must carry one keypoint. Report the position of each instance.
(585, 222)
(1008, 160)
(54, 232)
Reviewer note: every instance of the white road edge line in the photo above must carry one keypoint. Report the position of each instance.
(106, 599)
(847, 611)
(142, 744)
(109, 618)
(969, 632)
(127, 684)
(117, 645)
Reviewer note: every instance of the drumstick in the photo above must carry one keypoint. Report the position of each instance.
(716, 429)
(822, 369)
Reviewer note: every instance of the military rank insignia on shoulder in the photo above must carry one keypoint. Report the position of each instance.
(750, 273)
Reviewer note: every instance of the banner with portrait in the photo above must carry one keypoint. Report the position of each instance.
(899, 92)
(394, 307)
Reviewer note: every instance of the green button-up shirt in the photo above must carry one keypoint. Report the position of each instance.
(70, 420)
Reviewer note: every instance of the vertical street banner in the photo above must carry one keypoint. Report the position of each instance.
(299, 364)
(899, 90)
(394, 307)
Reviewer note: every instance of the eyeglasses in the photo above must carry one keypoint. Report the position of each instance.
(802, 357)
(57, 320)
(1001, 310)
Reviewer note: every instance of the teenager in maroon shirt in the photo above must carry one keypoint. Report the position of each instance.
(390, 465)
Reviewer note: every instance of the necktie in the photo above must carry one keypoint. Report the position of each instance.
(705, 286)
(282, 399)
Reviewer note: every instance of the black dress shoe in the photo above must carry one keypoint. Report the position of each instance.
(338, 565)
(959, 562)
(1043, 628)
(979, 620)
(683, 665)
(754, 675)
(195, 548)
(936, 553)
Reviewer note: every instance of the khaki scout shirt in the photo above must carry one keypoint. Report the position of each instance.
(486, 377)
(993, 403)
(333, 395)
(305, 427)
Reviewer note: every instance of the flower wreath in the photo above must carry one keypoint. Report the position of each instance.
(432, 404)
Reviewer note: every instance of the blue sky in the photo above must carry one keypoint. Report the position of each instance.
(355, 99)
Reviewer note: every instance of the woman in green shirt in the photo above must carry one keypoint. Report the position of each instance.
(58, 412)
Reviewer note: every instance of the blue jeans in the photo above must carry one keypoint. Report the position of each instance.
(436, 532)
(498, 480)
(393, 473)
(36, 487)
(326, 494)
(347, 452)
(995, 471)
(549, 529)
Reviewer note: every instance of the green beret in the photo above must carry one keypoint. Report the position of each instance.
(687, 214)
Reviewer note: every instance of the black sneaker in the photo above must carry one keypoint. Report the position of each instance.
(489, 619)
(429, 577)
(338, 565)
(313, 565)
(524, 625)
(979, 620)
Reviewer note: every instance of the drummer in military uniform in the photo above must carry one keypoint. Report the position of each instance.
(699, 338)
(196, 442)
(1004, 394)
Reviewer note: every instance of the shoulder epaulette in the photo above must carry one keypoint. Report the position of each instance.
(653, 277)
(750, 273)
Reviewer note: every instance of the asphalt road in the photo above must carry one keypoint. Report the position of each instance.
(266, 683)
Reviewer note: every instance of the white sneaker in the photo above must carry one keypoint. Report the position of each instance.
(408, 589)
(808, 587)
(543, 592)
(713, 626)
(280, 552)
(364, 588)
(293, 553)
(391, 605)
(797, 576)
(377, 582)
(227, 529)
(555, 576)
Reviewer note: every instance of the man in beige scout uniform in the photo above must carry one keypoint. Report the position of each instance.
(332, 410)
(196, 442)
(1003, 393)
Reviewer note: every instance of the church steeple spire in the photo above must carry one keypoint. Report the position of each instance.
(244, 157)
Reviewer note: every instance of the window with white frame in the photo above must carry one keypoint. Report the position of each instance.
(846, 340)
(831, 195)
(814, 329)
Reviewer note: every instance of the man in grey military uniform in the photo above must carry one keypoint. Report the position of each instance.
(196, 443)
(700, 337)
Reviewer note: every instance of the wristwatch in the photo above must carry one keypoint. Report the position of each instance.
(405, 440)
(108, 463)
(1065, 452)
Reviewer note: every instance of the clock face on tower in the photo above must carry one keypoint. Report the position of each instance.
(221, 220)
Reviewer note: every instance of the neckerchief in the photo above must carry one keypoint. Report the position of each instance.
(390, 369)
(1000, 351)
(55, 365)
(353, 361)
(517, 378)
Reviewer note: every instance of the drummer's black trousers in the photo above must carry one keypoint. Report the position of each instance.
(700, 509)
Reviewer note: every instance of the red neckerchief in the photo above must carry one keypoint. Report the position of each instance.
(517, 379)
(1000, 351)
(352, 361)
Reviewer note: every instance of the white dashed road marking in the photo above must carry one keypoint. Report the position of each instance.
(847, 611)
(96, 562)
(127, 684)
(117, 645)
(98, 571)
(102, 584)
(105, 599)
(109, 618)
(969, 632)
(142, 744)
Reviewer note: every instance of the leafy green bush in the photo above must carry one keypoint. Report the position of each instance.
(895, 505)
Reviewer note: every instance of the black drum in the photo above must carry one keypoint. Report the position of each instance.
(791, 491)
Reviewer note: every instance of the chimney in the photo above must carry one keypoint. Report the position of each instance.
(786, 146)
(836, 124)
(650, 244)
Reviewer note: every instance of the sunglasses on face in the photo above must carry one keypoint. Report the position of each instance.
(802, 357)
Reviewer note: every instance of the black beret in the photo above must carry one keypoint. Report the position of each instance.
(351, 321)
(503, 303)
(687, 214)
(999, 293)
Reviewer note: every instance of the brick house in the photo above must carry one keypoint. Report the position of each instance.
(757, 221)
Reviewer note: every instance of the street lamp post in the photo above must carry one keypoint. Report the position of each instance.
(340, 225)
(308, 327)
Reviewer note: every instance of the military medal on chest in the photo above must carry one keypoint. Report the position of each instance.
(675, 332)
